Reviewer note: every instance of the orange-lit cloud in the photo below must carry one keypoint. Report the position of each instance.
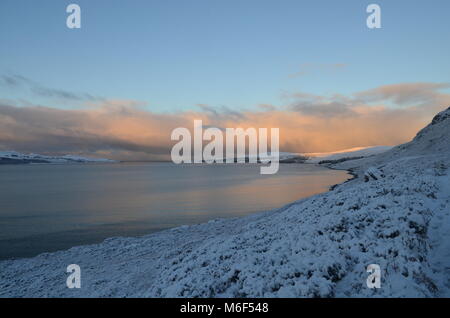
(386, 115)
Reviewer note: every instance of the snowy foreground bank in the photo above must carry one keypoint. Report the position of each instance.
(395, 214)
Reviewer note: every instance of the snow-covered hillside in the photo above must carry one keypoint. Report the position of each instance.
(14, 157)
(346, 154)
(395, 214)
(434, 139)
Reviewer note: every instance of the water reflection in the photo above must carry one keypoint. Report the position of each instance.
(46, 208)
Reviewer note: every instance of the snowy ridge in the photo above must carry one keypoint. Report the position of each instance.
(433, 139)
(398, 217)
(348, 153)
(17, 157)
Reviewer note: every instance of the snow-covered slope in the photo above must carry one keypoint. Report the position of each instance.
(433, 139)
(346, 154)
(14, 157)
(396, 215)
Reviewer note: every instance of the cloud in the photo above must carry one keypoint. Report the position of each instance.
(330, 109)
(221, 112)
(321, 106)
(267, 107)
(308, 123)
(120, 132)
(405, 93)
(21, 82)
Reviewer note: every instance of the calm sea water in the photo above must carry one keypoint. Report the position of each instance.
(45, 208)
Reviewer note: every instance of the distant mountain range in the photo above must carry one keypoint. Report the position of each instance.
(14, 157)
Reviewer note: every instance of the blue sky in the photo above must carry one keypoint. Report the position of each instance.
(173, 55)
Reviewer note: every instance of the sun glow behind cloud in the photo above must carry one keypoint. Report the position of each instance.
(386, 115)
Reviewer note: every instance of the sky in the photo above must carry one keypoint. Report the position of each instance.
(137, 69)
